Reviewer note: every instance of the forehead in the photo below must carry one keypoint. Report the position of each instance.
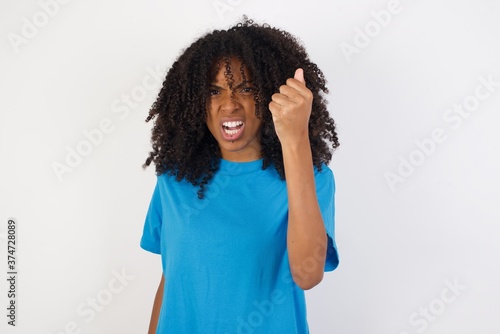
(230, 69)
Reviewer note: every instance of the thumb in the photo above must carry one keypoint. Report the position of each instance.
(299, 75)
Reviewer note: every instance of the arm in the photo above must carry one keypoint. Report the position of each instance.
(155, 314)
(306, 235)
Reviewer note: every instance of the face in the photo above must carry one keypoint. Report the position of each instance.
(231, 115)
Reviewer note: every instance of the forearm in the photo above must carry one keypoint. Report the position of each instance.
(306, 236)
(155, 314)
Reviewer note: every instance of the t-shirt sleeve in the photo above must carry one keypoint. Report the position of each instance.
(325, 190)
(150, 240)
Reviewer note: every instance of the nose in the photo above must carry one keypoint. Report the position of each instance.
(229, 104)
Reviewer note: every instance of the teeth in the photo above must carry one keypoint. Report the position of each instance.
(232, 124)
(231, 132)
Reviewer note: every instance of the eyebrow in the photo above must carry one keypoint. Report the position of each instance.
(244, 83)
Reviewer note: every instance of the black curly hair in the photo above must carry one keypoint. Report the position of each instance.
(182, 144)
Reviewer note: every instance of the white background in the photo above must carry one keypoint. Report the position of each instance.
(399, 246)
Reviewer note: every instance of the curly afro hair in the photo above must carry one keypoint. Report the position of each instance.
(183, 146)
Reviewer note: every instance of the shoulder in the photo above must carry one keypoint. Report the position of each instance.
(325, 171)
(324, 176)
(168, 182)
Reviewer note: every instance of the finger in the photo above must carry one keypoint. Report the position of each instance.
(274, 108)
(290, 92)
(281, 99)
(299, 86)
(296, 89)
(299, 75)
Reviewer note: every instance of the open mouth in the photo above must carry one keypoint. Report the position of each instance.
(232, 130)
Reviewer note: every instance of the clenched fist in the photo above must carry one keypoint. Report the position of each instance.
(291, 109)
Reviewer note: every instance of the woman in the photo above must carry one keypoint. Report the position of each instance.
(243, 209)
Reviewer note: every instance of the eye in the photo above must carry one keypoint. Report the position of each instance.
(213, 92)
(247, 90)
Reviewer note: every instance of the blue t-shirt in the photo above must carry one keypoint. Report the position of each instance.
(224, 257)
